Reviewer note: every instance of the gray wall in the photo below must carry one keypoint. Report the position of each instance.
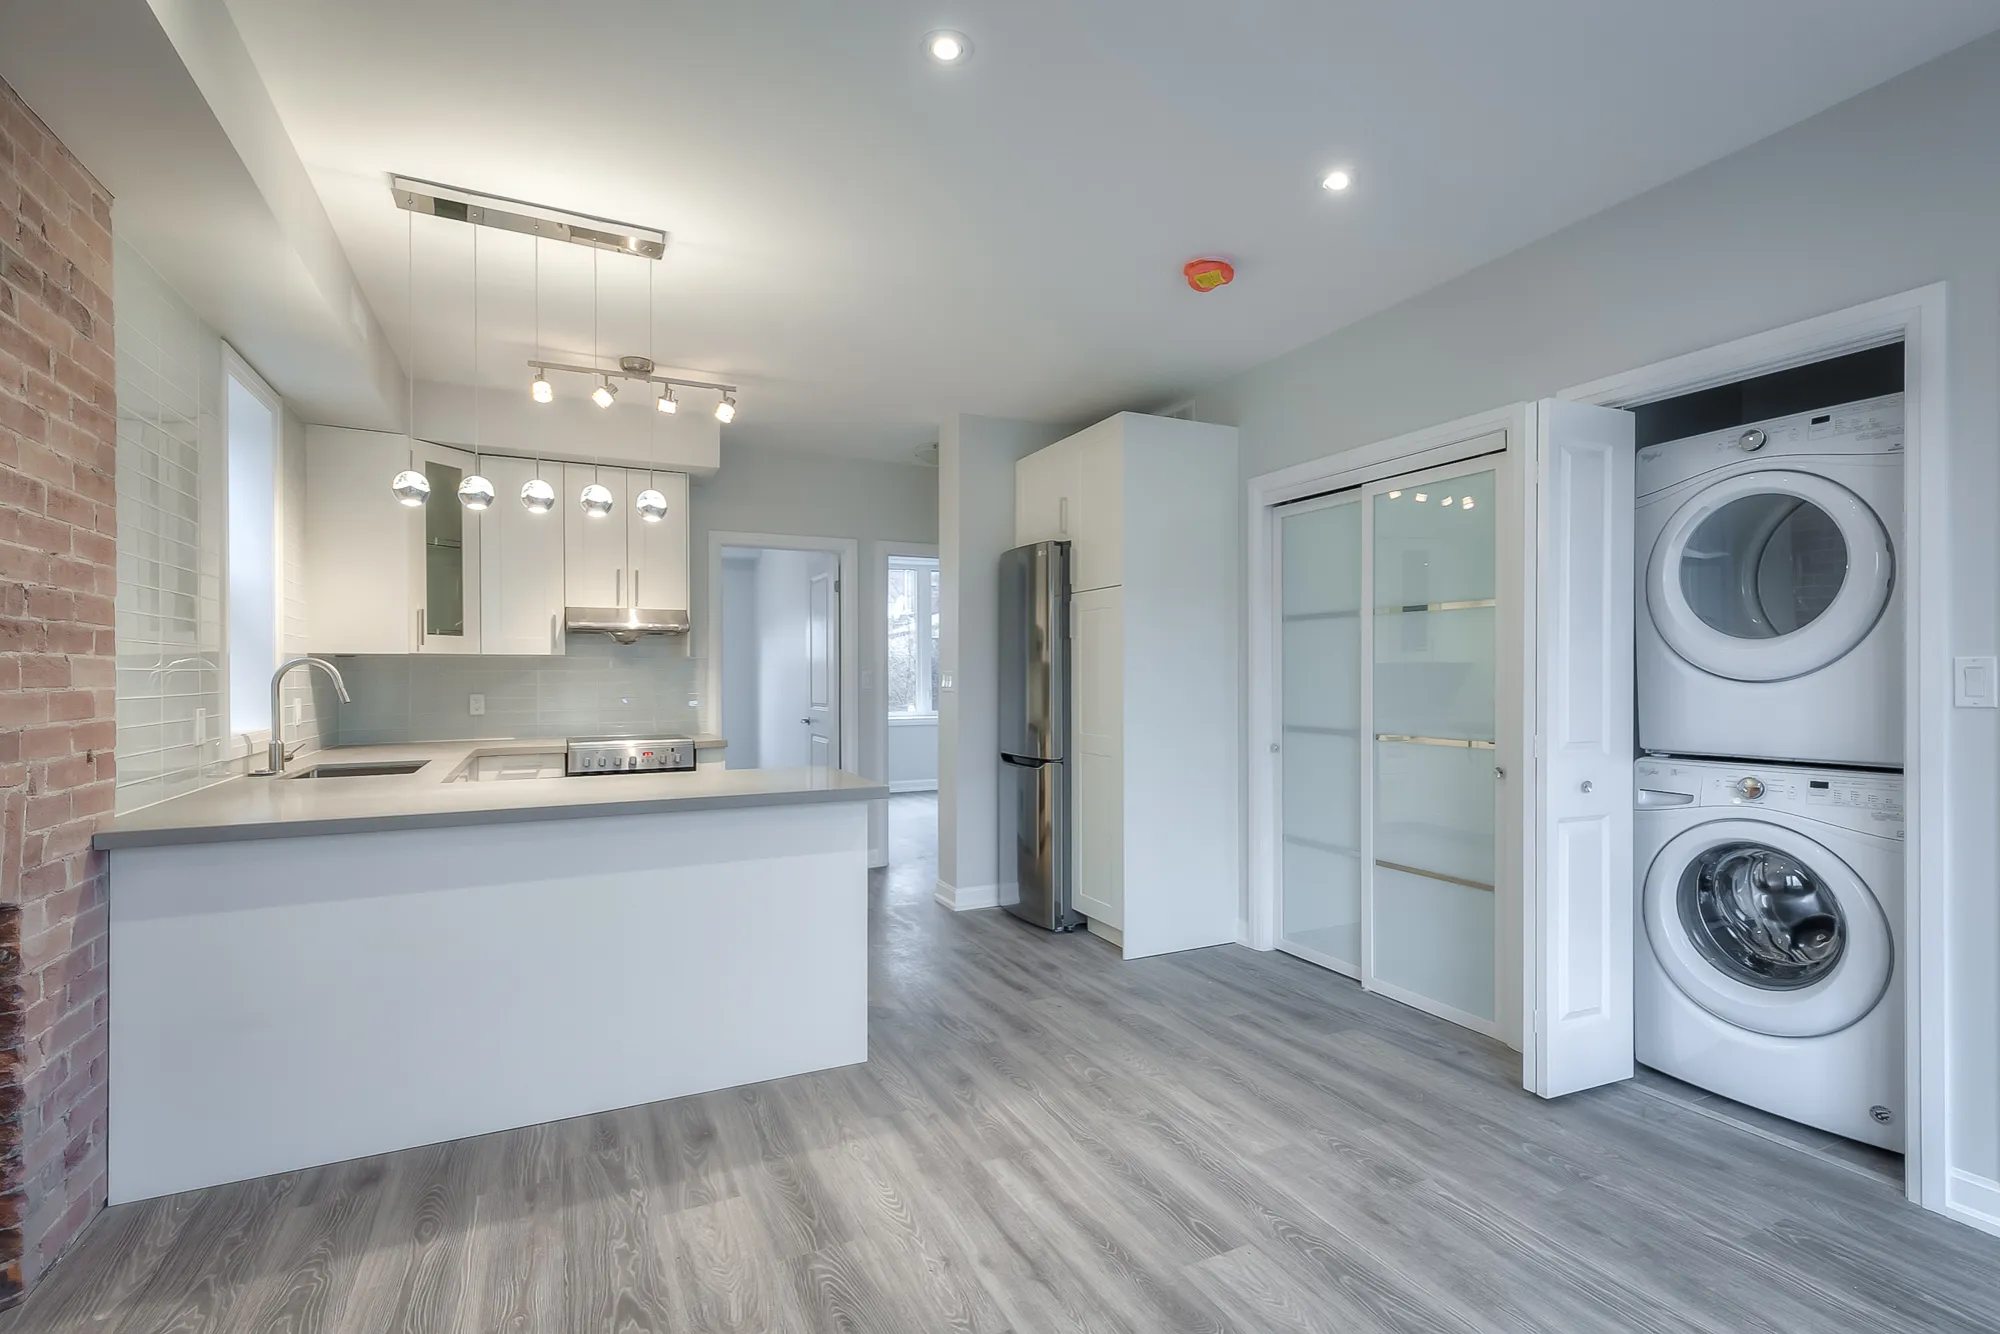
(738, 705)
(1898, 188)
(822, 495)
(976, 457)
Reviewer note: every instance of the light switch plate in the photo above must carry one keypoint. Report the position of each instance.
(1975, 683)
(944, 681)
(478, 705)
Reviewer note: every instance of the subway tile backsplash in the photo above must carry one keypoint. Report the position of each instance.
(599, 688)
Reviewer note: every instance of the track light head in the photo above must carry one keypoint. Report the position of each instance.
(541, 390)
(667, 403)
(725, 411)
(604, 394)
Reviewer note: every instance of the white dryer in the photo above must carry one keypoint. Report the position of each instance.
(1770, 619)
(1768, 965)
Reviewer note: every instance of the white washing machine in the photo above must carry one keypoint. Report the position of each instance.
(1767, 967)
(1770, 620)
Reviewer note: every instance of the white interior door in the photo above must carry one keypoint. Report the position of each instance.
(1580, 897)
(823, 661)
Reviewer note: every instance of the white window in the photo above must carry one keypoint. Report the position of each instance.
(912, 677)
(250, 416)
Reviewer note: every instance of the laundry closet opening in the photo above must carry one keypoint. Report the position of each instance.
(1771, 967)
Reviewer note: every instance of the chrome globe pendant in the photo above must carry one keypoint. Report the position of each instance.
(537, 496)
(652, 504)
(596, 500)
(411, 487)
(475, 492)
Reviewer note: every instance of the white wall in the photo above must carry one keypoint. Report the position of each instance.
(976, 457)
(1892, 190)
(740, 721)
(913, 756)
(821, 495)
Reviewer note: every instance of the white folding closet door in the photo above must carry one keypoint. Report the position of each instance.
(1321, 772)
(1580, 898)
(1432, 652)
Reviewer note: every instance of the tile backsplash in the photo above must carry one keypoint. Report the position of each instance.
(599, 688)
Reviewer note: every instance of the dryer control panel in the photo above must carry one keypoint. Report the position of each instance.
(1855, 430)
(1870, 803)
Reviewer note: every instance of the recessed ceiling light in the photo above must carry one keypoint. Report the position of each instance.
(947, 47)
(1336, 180)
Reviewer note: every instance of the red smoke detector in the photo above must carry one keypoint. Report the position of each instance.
(1205, 275)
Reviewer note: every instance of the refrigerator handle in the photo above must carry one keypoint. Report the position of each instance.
(1023, 761)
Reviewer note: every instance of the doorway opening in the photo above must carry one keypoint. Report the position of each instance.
(780, 651)
(910, 597)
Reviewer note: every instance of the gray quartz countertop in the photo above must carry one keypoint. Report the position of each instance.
(433, 797)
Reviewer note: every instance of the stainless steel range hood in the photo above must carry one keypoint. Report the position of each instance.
(624, 624)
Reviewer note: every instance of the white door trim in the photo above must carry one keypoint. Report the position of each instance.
(849, 551)
(1493, 432)
(1919, 319)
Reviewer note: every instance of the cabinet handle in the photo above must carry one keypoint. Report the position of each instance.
(420, 627)
(635, 588)
(618, 588)
(1062, 516)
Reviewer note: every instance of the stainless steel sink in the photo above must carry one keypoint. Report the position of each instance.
(362, 769)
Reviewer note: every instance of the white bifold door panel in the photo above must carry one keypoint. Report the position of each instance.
(1579, 911)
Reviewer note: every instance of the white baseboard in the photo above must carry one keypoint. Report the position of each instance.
(877, 858)
(914, 785)
(969, 898)
(1974, 1201)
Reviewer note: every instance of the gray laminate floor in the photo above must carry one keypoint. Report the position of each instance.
(1047, 1138)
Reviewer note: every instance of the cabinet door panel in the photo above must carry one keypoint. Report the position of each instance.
(359, 543)
(594, 552)
(521, 568)
(1097, 517)
(660, 548)
(1044, 495)
(446, 559)
(1098, 643)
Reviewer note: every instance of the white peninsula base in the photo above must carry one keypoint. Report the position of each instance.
(280, 1003)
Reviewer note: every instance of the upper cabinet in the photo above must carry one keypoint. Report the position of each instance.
(1073, 492)
(439, 578)
(623, 559)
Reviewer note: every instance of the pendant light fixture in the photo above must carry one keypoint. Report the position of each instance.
(410, 486)
(595, 498)
(537, 496)
(475, 492)
(539, 388)
(652, 504)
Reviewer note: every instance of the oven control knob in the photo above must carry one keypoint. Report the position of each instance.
(1749, 788)
(1750, 441)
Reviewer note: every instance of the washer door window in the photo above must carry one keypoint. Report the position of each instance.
(1769, 575)
(1766, 929)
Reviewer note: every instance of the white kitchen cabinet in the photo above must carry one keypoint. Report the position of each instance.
(521, 567)
(1149, 505)
(619, 559)
(1044, 491)
(383, 577)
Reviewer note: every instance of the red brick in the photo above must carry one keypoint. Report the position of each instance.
(73, 704)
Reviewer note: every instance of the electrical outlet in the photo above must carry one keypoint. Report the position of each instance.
(478, 703)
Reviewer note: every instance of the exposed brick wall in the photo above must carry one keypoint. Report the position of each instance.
(58, 724)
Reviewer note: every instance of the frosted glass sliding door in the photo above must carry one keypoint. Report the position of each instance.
(1433, 654)
(1321, 772)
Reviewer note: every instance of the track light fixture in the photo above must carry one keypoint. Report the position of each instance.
(604, 394)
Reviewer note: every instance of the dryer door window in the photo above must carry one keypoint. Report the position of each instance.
(1761, 916)
(1769, 575)
(1767, 929)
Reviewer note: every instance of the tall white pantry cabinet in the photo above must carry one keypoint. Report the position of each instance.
(1149, 506)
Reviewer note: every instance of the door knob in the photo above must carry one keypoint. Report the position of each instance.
(1588, 786)
(807, 721)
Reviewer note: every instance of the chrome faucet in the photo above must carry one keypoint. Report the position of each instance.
(278, 756)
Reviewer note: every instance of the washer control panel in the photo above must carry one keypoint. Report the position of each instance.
(1869, 802)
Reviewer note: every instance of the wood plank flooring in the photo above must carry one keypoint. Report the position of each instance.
(1049, 1139)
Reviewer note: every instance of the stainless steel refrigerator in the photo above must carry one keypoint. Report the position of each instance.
(1035, 872)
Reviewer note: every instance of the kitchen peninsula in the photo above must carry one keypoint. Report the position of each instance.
(306, 970)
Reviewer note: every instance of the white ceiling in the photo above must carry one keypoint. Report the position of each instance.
(869, 242)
